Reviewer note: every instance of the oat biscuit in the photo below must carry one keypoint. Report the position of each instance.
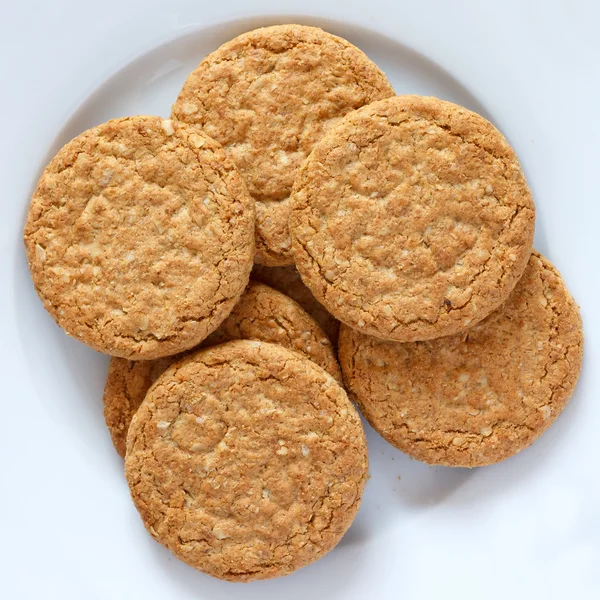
(287, 280)
(479, 397)
(267, 96)
(261, 314)
(264, 314)
(126, 386)
(247, 461)
(411, 219)
(140, 237)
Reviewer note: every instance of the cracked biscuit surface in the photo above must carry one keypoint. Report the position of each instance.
(288, 281)
(139, 237)
(262, 314)
(267, 96)
(411, 219)
(479, 397)
(247, 461)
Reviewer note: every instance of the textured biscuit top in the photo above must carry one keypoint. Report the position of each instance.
(267, 315)
(140, 237)
(261, 314)
(411, 219)
(476, 398)
(267, 96)
(247, 461)
(287, 280)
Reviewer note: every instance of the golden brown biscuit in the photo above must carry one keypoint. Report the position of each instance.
(479, 397)
(126, 386)
(268, 96)
(411, 219)
(247, 461)
(261, 314)
(288, 280)
(266, 315)
(140, 237)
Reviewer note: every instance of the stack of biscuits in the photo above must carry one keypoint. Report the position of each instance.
(292, 213)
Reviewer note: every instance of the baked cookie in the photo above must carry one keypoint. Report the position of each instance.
(247, 461)
(261, 314)
(264, 314)
(411, 219)
(479, 397)
(126, 386)
(268, 96)
(288, 280)
(140, 237)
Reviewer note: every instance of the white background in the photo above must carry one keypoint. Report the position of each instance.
(527, 528)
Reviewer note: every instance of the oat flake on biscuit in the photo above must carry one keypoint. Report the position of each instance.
(479, 397)
(139, 237)
(247, 461)
(262, 313)
(268, 96)
(411, 219)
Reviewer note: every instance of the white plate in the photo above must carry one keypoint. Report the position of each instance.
(526, 528)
